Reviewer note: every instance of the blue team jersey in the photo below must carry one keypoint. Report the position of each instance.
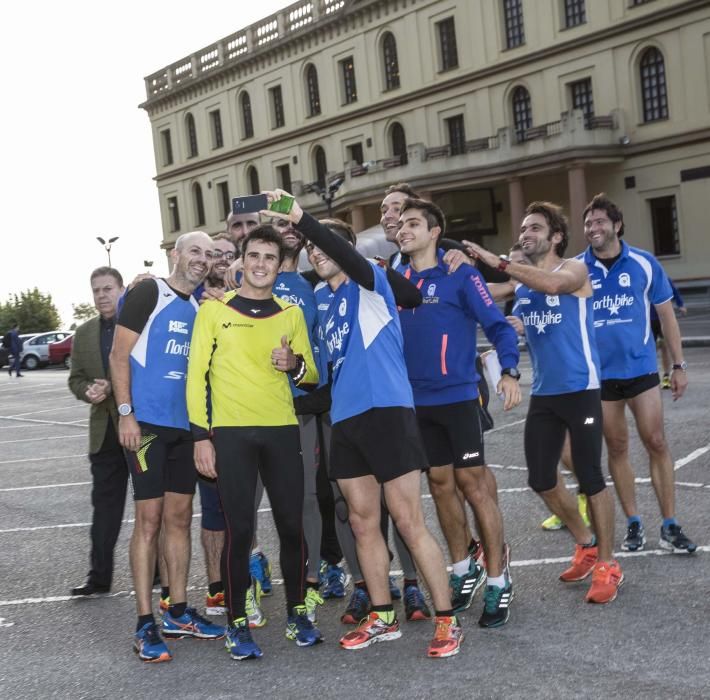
(294, 288)
(559, 330)
(159, 361)
(363, 340)
(623, 297)
(440, 335)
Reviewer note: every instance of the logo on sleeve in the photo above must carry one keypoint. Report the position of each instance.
(481, 288)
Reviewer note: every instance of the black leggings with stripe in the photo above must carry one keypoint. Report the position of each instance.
(275, 454)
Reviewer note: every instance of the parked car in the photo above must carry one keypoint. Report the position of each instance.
(60, 351)
(4, 356)
(36, 349)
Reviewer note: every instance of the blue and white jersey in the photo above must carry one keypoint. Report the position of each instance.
(623, 297)
(363, 339)
(559, 330)
(294, 288)
(159, 361)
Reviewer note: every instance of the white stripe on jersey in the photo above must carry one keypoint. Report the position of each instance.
(646, 267)
(372, 315)
(593, 376)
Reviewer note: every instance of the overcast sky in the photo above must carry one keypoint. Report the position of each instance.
(77, 158)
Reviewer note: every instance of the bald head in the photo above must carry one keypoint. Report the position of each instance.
(198, 237)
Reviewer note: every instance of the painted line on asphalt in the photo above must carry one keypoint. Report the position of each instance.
(40, 459)
(45, 486)
(507, 425)
(44, 410)
(692, 456)
(42, 422)
(52, 437)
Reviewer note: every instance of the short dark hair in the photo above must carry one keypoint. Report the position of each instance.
(222, 236)
(556, 220)
(516, 246)
(342, 229)
(433, 215)
(267, 234)
(105, 270)
(601, 201)
(404, 188)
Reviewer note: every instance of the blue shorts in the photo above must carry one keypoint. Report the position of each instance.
(212, 515)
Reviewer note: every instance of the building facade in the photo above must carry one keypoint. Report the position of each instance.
(480, 105)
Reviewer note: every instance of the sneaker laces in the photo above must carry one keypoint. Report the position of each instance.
(300, 618)
(358, 599)
(334, 576)
(491, 598)
(675, 532)
(152, 635)
(413, 597)
(633, 530)
(443, 627)
(196, 617)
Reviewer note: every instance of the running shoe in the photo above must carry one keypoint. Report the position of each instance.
(301, 629)
(607, 578)
(190, 624)
(666, 382)
(164, 604)
(214, 604)
(463, 588)
(496, 605)
(448, 636)
(415, 607)
(252, 606)
(312, 601)
(674, 540)
(370, 630)
(334, 586)
(583, 562)
(358, 607)
(552, 523)
(322, 572)
(635, 537)
(149, 645)
(260, 569)
(239, 642)
(395, 591)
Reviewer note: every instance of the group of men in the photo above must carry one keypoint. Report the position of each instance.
(375, 370)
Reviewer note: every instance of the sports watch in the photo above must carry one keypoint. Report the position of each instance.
(681, 366)
(511, 372)
(125, 409)
(504, 262)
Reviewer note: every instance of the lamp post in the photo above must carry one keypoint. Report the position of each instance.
(107, 246)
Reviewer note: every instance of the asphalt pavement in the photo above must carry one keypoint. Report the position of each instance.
(652, 642)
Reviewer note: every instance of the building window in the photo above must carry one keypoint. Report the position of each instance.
(191, 136)
(635, 3)
(522, 113)
(174, 214)
(277, 107)
(447, 44)
(167, 146)
(225, 202)
(321, 166)
(216, 124)
(399, 142)
(391, 63)
(347, 70)
(313, 92)
(513, 18)
(253, 178)
(664, 219)
(247, 123)
(653, 86)
(575, 13)
(199, 204)
(583, 99)
(457, 134)
(355, 153)
(284, 177)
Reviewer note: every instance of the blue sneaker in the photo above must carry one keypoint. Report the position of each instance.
(239, 643)
(395, 591)
(260, 569)
(415, 606)
(149, 645)
(334, 582)
(301, 629)
(358, 608)
(322, 573)
(190, 624)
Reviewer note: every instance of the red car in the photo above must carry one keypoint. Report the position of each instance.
(60, 352)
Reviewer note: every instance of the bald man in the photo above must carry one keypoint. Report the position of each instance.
(149, 366)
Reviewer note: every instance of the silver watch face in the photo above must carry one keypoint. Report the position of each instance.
(125, 409)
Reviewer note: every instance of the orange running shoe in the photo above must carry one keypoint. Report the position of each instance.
(448, 636)
(583, 562)
(607, 579)
(214, 604)
(372, 629)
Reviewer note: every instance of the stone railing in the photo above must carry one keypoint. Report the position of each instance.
(235, 47)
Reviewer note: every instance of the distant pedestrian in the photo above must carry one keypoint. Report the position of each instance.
(14, 344)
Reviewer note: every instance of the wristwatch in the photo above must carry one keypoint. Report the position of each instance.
(511, 372)
(504, 262)
(682, 366)
(125, 409)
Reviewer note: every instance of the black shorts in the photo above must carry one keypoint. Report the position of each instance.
(164, 462)
(384, 442)
(656, 328)
(548, 419)
(623, 389)
(452, 434)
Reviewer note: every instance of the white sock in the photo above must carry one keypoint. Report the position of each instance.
(496, 581)
(256, 550)
(461, 567)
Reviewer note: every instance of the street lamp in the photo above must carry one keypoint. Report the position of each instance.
(327, 194)
(107, 245)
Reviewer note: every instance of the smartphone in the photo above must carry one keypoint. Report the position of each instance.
(283, 205)
(249, 205)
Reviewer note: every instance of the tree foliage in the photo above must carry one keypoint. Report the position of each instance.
(83, 312)
(34, 312)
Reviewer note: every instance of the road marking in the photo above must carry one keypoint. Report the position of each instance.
(5, 624)
(45, 486)
(40, 459)
(692, 456)
(40, 421)
(44, 410)
(53, 437)
(507, 425)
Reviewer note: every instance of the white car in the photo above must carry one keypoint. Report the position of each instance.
(35, 352)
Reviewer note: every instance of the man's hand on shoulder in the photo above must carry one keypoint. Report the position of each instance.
(454, 258)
